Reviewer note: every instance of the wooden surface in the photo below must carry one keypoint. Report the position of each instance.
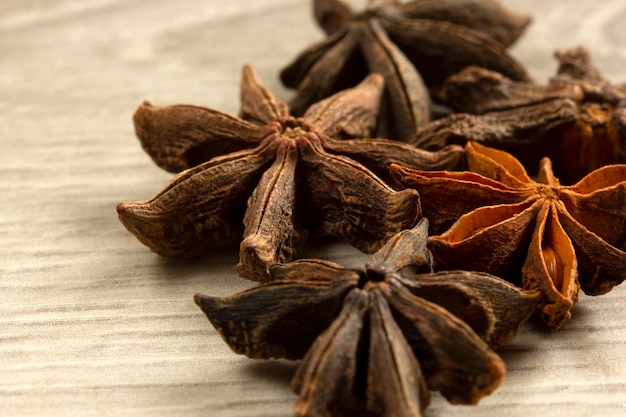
(93, 324)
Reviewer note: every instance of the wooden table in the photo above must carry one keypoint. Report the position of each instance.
(92, 323)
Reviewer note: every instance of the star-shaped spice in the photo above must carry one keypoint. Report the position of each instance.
(578, 119)
(375, 339)
(409, 44)
(559, 237)
(279, 176)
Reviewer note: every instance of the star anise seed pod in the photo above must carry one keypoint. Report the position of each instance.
(375, 339)
(557, 237)
(578, 119)
(283, 176)
(409, 44)
(528, 115)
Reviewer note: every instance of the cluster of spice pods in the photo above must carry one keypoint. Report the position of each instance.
(465, 245)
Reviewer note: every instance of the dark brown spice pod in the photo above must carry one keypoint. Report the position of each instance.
(414, 45)
(269, 179)
(375, 340)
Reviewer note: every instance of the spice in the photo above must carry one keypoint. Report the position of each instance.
(375, 339)
(284, 176)
(578, 119)
(558, 237)
(409, 44)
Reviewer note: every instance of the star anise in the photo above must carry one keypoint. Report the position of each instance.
(376, 339)
(284, 176)
(409, 44)
(559, 237)
(578, 119)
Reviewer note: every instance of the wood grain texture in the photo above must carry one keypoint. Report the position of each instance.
(93, 324)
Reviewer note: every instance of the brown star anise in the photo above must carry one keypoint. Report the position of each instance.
(376, 339)
(284, 176)
(578, 119)
(558, 237)
(409, 44)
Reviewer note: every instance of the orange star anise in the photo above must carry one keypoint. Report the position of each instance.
(538, 234)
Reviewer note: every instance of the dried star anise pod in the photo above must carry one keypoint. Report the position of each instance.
(578, 119)
(284, 176)
(376, 339)
(409, 44)
(559, 238)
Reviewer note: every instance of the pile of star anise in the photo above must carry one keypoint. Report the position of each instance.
(465, 245)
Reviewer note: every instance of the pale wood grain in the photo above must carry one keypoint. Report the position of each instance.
(92, 323)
